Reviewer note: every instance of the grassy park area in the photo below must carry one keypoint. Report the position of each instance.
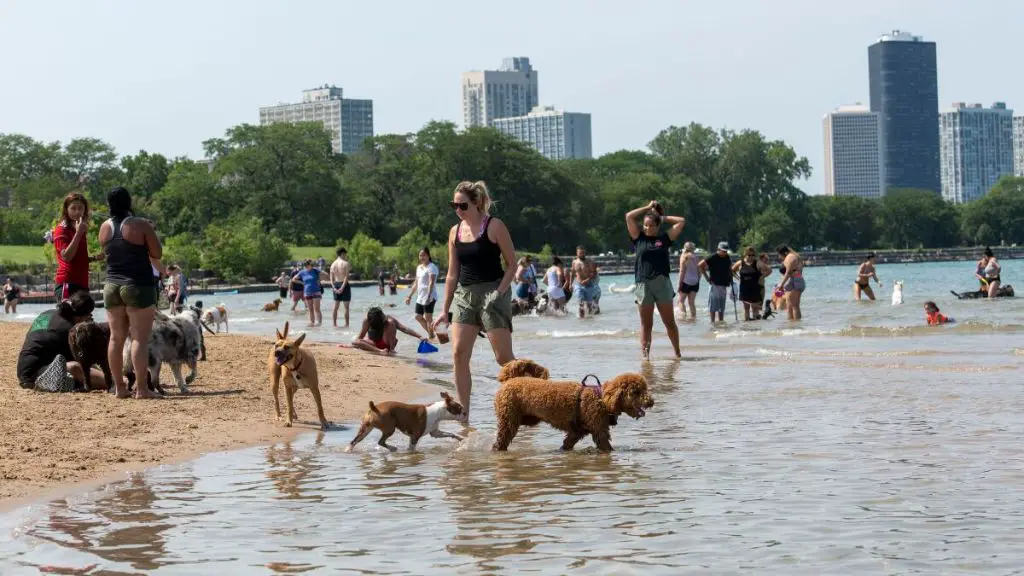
(24, 255)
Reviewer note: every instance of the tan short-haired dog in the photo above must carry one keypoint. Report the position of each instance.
(272, 306)
(298, 368)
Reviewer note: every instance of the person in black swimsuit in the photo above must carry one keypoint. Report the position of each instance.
(12, 293)
(130, 291)
(477, 292)
(750, 273)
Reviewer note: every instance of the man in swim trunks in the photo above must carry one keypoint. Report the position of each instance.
(717, 270)
(792, 281)
(340, 270)
(379, 334)
(586, 286)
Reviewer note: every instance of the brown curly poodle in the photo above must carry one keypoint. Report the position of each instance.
(526, 398)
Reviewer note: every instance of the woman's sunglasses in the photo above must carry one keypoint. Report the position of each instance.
(459, 205)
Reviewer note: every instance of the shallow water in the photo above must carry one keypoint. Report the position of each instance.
(858, 441)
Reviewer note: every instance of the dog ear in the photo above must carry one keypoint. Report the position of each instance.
(445, 395)
(283, 335)
(298, 341)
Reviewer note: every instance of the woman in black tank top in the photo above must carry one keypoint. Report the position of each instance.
(132, 250)
(477, 289)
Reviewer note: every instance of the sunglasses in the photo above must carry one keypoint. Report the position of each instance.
(459, 205)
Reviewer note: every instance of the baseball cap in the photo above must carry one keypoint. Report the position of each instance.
(723, 246)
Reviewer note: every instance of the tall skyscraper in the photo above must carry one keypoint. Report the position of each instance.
(555, 134)
(1018, 146)
(853, 153)
(348, 121)
(904, 90)
(504, 93)
(977, 149)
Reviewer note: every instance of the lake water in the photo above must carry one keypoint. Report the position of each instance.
(858, 441)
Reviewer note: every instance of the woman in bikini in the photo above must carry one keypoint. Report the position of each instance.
(689, 281)
(991, 272)
(12, 293)
(792, 282)
(864, 275)
(379, 334)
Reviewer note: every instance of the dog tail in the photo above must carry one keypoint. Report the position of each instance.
(374, 408)
(522, 367)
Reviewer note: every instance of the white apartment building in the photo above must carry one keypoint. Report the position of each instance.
(1018, 146)
(556, 134)
(348, 121)
(853, 152)
(976, 149)
(504, 93)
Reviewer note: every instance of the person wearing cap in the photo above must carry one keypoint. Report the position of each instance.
(717, 270)
(651, 270)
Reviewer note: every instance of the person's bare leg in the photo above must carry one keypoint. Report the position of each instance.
(668, 317)
(463, 338)
(334, 315)
(429, 318)
(97, 381)
(993, 289)
(319, 312)
(501, 344)
(794, 302)
(140, 324)
(424, 323)
(646, 326)
(75, 369)
(312, 314)
(692, 299)
(117, 318)
(856, 291)
(367, 346)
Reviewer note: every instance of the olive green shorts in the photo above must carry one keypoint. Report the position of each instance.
(131, 296)
(657, 290)
(481, 305)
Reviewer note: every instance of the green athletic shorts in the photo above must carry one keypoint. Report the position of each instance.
(657, 290)
(481, 305)
(131, 296)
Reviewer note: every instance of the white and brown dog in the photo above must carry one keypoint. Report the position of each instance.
(414, 420)
(216, 315)
(298, 368)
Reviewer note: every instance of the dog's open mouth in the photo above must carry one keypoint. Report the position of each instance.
(640, 412)
(280, 357)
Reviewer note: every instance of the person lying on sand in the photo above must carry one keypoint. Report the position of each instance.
(379, 334)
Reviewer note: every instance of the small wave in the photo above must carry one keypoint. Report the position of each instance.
(923, 330)
(577, 333)
(769, 352)
(247, 320)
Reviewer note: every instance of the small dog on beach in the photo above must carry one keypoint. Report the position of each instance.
(527, 397)
(298, 368)
(88, 342)
(217, 315)
(414, 420)
(175, 340)
(272, 306)
(897, 293)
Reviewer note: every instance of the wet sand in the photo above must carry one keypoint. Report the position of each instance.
(51, 442)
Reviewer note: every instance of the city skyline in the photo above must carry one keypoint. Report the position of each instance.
(976, 151)
(771, 67)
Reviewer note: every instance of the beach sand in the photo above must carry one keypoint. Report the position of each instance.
(51, 441)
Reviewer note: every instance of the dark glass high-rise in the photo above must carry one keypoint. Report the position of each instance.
(905, 92)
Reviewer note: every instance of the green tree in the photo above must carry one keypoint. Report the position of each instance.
(918, 218)
(242, 249)
(365, 254)
(769, 229)
(997, 217)
(408, 249)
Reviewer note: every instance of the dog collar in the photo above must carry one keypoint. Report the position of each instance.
(298, 363)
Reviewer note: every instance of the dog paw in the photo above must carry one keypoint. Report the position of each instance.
(288, 424)
(348, 449)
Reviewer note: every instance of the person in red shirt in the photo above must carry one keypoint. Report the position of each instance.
(72, 247)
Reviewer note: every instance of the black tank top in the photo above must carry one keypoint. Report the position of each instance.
(749, 274)
(479, 260)
(127, 264)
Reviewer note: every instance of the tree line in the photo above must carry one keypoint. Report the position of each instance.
(268, 187)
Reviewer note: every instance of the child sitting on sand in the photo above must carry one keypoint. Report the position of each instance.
(379, 334)
(933, 315)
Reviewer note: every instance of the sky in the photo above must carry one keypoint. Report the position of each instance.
(164, 76)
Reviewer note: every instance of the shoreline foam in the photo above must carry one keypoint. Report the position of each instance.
(56, 444)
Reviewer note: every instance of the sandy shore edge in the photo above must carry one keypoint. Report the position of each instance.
(52, 445)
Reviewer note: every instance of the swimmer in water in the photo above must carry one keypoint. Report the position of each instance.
(934, 317)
